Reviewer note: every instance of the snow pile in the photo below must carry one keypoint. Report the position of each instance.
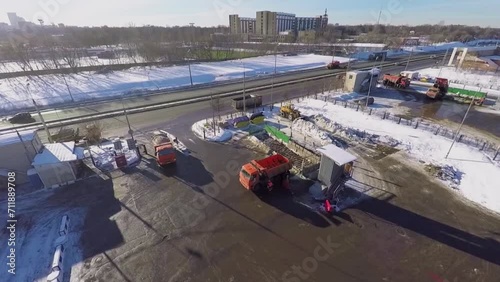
(104, 155)
(51, 89)
(352, 133)
(458, 78)
(446, 173)
(203, 129)
(309, 129)
(479, 176)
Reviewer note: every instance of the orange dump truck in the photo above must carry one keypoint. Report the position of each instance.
(259, 175)
(397, 81)
(164, 149)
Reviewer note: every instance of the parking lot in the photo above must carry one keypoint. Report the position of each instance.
(194, 222)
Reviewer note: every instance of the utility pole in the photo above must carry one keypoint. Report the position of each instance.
(459, 128)
(39, 114)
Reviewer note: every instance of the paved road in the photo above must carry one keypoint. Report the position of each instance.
(157, 99)
(152, 118)
(196, 223)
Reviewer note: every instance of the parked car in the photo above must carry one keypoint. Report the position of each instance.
(21, 118)
(433, 56)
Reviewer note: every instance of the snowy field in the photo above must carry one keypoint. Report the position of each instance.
(474, 80)
(51, 89)
(7, 66)
(477, 176)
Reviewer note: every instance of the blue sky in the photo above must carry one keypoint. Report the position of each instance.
(215, 12)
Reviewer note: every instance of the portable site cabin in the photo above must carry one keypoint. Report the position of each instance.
(335, 164)
(58, 164)
(359, 81)
(17, 150)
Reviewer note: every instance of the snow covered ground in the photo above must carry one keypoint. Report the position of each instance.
(477, 176)
(205, 130)
(15, 93)
(459, 78)
(37, 229)
(82, 62)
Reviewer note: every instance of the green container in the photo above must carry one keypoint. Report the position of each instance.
(466, 93)
(277, 133)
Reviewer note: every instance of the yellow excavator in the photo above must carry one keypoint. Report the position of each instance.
(289, 112)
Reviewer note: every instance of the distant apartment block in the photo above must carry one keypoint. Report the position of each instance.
(285, 22)
(269, 23)
(266, 23)
(241, 25)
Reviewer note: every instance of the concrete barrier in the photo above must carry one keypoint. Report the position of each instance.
(63, 228)
(56, 267)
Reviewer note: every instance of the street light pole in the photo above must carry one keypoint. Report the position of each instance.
(244, 94)
(459, 128)
(39, 114)
(369, 88)
(274, 75)
(409, 58)
(189, 66)
(130, 131)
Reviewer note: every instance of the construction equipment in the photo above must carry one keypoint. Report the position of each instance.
(397, 81)
(439, 89)
(164, 149)
(264, 174)
(249, 101)
(289, 112)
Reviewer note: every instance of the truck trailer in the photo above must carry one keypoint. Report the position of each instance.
(397, 81)
(264, 174)
(249, 101)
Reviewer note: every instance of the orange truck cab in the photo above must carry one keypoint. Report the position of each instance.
(165, 154)
(264, 174)
(164, 150)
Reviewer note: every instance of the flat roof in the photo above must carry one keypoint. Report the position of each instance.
(12, 137)
(56, 153)
(339, 156)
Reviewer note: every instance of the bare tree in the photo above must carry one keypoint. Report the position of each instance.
(93, 132)
(216, 104)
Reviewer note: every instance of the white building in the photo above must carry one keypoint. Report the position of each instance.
(58, 164)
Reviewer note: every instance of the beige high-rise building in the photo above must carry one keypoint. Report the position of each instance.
(266, 23)
(239, 25)
(234, 24)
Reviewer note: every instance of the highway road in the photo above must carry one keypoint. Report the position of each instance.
(278, 93)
